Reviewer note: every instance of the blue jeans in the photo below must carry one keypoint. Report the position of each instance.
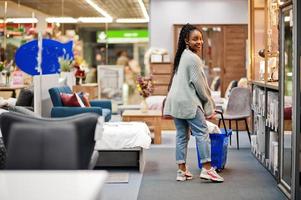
(199, 130)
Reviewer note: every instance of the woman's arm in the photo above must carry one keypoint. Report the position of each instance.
(199, 82)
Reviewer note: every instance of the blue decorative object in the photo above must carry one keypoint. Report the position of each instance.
(52, 50)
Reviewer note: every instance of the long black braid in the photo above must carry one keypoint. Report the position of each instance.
(184, 34)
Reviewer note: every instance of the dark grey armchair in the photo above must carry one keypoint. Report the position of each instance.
(42, 143)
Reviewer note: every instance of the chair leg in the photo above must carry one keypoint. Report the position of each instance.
(219, 123)
(231, 134)
(237, 140)
(248, 130)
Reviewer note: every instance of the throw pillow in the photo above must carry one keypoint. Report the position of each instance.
(84, 98)
(72, 100)
(25, 98)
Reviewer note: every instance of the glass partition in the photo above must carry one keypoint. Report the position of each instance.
(286, 95)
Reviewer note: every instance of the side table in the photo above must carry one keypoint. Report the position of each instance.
(152, 118)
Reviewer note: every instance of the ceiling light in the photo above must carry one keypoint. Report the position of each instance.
(95, 20)
(144, 11)
(68, 20)
(132, 20)
(21, 20)
(98, 9)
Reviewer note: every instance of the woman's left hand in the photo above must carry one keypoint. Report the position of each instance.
(212, 116)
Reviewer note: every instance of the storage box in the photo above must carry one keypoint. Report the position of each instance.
(156, 58)
(219, 149)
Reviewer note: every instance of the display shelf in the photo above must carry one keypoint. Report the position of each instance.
(270, 85)
(258, 83)
(263, 162)
(264, 97)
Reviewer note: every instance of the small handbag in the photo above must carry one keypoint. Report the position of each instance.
(165, 116)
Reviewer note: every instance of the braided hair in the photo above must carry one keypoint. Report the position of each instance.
(184, 34)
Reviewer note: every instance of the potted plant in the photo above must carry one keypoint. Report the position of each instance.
(66, 66)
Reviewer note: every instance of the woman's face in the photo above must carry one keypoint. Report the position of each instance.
(195, 41)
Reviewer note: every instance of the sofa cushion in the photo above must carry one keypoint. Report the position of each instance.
(23, 110)
(25, 98)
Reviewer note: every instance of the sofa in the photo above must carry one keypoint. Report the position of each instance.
(42, 143)
(101, 107)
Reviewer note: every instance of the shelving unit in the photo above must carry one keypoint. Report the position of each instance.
(265, 125)
(276, 137)
(263, 32)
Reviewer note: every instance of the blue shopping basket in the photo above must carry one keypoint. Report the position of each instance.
(219, 149)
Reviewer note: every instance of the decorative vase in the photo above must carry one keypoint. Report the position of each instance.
(144, 106)
(70, 78)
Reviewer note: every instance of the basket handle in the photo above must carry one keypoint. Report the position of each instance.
(223, 120)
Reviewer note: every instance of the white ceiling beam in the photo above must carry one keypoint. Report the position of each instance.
(99, 9)
(132, 20)
(143, 8)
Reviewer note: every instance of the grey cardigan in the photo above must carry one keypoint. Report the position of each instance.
(189, 89)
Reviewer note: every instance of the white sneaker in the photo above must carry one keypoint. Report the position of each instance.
(211, 175)
(183, 176)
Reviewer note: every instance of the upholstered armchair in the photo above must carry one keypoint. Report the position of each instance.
(48, 143)
(101, 107)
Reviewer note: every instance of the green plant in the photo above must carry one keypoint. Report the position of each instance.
(65, 64)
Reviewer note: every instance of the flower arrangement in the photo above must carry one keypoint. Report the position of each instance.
(144, 86)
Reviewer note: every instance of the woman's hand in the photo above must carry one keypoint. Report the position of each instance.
(212, 116)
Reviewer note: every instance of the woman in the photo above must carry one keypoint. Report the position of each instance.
(189, 102)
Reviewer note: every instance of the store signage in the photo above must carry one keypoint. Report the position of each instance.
(123, 36)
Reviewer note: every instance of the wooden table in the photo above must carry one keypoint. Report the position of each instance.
(91, 89)
(12, 89)
(152, 118)
(50, 185)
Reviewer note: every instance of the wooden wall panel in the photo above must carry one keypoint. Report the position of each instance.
(235, 37)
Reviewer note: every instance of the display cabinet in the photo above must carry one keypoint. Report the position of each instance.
(264, 70)
(276, 138)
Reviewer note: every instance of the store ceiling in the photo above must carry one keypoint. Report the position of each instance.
(80, 8)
